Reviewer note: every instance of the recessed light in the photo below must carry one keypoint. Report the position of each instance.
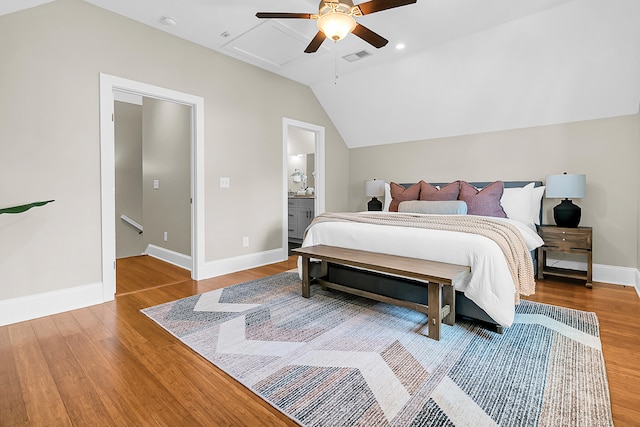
(168, 21)
(400, 46)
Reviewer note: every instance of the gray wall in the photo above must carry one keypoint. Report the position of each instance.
(166, 133)
(153, 143)
(49, 134)
(128, 156)
(606, 150)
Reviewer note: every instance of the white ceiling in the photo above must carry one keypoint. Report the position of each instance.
(469, 66)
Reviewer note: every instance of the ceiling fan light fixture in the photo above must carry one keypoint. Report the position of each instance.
(336, 20)
(336, 25)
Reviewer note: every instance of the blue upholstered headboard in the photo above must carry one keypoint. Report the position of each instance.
(507, 184)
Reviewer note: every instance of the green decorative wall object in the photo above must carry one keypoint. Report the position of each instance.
(23, 208)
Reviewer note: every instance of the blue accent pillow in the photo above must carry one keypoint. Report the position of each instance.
(439, 207)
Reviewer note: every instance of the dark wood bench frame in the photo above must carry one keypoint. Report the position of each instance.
(439, 279)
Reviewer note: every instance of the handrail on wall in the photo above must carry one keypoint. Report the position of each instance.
(132, 223)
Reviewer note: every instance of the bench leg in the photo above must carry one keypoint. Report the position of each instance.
(450, 300)
(306, 285)
(324, 270)
(435, 310)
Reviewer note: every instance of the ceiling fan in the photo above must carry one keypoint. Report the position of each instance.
(336, 19)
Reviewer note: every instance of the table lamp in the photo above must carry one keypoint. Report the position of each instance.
(375, 189)
(566, 186)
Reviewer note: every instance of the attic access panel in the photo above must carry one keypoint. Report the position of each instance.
(272, 43)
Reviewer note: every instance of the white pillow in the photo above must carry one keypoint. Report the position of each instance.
(517, 202)
(536, 202)
(387, 197)
(441, 207)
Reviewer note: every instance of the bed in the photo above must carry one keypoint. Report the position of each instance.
(489, 293)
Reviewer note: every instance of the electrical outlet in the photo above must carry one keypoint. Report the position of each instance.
(166, 236)
(245, 242)
(225, 182)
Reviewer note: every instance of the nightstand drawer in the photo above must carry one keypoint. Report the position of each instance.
(566, 238)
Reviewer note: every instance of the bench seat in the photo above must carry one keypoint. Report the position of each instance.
(439, 279)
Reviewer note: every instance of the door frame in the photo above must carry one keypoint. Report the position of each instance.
(108, 84)
(319, 164)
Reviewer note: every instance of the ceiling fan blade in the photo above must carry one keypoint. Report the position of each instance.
(283, 15)
(315, 43)
(378, 5)
(369, 36)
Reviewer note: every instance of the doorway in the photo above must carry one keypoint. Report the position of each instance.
(109, 84)
(152, 177)
(152, 152)
(306, 170)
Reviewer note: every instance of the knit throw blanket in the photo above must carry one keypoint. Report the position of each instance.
(506, 236)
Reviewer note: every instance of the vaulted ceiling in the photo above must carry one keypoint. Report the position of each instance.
(468, 66)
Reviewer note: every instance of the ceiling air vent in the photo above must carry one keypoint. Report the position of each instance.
(357, 56)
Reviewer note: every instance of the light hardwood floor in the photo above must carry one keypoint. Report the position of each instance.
(110, 365)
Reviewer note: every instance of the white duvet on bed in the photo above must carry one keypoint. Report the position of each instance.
(489, 285)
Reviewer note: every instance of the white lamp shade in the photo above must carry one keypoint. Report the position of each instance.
(336, 25)
(374, 188)
(566, 186)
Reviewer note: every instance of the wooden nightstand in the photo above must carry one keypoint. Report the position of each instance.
(568, 240)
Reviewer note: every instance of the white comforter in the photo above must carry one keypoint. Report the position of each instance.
(489, 285)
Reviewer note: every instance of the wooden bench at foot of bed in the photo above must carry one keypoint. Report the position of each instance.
(440, 279)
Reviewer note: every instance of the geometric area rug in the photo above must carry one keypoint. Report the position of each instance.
(339, 360)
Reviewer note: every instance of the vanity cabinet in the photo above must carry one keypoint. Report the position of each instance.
(301, 213)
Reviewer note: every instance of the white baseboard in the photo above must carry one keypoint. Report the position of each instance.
(167, 255)
(615, 275)
(218, 267)
(243, 262)
(47, 303)
(33, 306)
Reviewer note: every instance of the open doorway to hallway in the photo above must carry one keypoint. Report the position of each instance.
(109, 85)
(152, 180)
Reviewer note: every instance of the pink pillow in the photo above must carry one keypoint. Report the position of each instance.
(431, 193)
(484, 202)
(401, 194)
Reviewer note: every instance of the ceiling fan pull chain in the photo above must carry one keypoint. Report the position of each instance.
(335, 64)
